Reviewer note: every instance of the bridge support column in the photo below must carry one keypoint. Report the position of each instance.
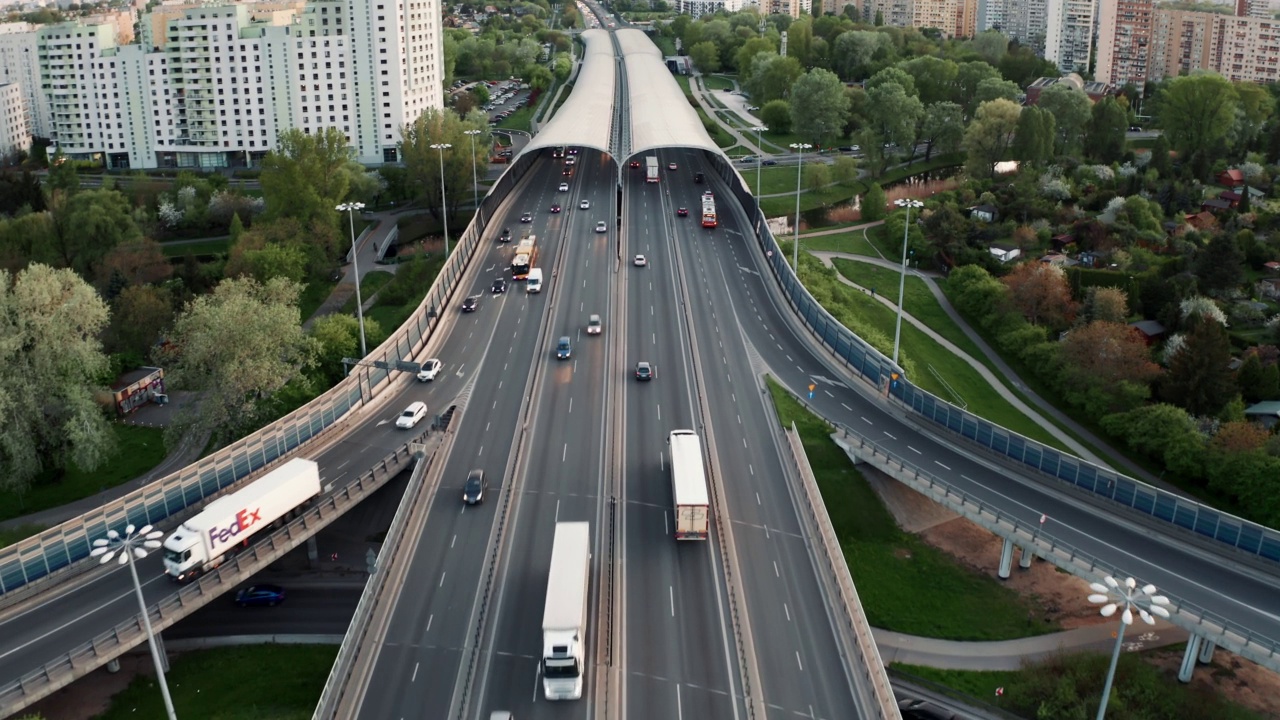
(1024, 561)
(1006, 560)
(164, 655)
(1206, 651)
(1188, 666)
(113, 665)
(313, 552)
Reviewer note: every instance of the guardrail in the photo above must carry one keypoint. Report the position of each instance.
(873, 672)
(27, 566)
(125, 636)
(874, 368)
(1208, 625)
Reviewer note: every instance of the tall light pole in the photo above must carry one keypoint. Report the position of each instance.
(1130, 596)
(444, 208)
(350, 208)
(129, 546)
(795, 251)
(759, 159)
(907, 203)
(475, 185)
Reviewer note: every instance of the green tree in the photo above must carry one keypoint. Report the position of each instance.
(942, 128)
(772, 77)
(1250, 378)
(934, 78)
(273, 261)
(706, 57)
(818, 107)
(1163, 432)
(968, 76)
(51, 363)
(854, 52)
(744, 58)
(1255, 104)
(817, 176)
(895, 75)
(1197, 111)
(892, 113)
(1022, 66)
(307, 175)
(874, 203)
(88, 225)
(1198, 377)
(1033, 143)
(1070, 109)
(1105, 138)
(236, 229)
(236, 348)
(423, 161)
(1220, 267)
(991, 45)
(63, 176)
(139, 316)
(992, 89)
(990, 136)
(776, 115)
(845, 170)
(1160, 157)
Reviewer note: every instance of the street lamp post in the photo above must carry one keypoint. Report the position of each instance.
(902, 279)
(475, 185)
(759, 159)
(795, 251)
(129, 546)
(1131, 597)
(350, 209)
(444, 209)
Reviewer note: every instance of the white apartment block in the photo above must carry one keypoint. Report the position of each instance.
(222, 86)
(1068, 39)
(20, 64)
(991, 15)
(15, 132)
(698, 8)
(1027, 22)
(898, 13)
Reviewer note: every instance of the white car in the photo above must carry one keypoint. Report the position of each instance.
(640, 261)
(564, 187)
(601, 227)
(430, 368)
(584, 205)
(412, 415)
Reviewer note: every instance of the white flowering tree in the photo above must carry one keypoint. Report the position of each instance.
(1204, 307)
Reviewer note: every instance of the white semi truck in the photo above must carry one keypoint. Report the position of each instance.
(564, 619)
(689, 486)
(201, 543)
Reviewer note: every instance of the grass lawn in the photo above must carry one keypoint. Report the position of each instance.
(215, 246)
(391, 317)
(314, 293)
(717, 82)
(254, 676)
(717, 133)
(783, 205)
(518, 120)
(905, 584)
(22, 532)
(372, 282)
(853, 241)
(140, 449)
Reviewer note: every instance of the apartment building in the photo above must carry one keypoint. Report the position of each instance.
(898, 13)
(698, 8)
(15, 132)
(1125, 41)
(219, 86)
(1247, 49)
(1243, 49)
(1027, 22)
(20, 65)
(990, 15)
(1068, 39)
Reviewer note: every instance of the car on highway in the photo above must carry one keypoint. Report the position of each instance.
(753, 108)
(564, 187)
(473, 490)
(682, 212)
(563, 348)
(526, 218)
(259, 595)
(644, 371)
(568, 172)
(601, 227)
(635, 163)
(412, 415)
(471, 304)
(770, 161)
(505, 236)
(430, 368)
(747, 159)
(594, 327)
(571, 160)
(584, 205)
(672, 166)
(698, 178)
(555, 208)
(499, 286)
(640, 261)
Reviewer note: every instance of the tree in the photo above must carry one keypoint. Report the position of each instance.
(1033, 141)
(1070, 109)
(855, 50)
(1164, 432)
(706, 57)
(990, 135)
(1197, 111)
(139, 315)
(1040, 292)
(138, 262)
(273, 261)
(772, 77)
(1105, 139)
(894, 75)
(933, 77)
(1251, 379)
(873, 203)
(51, 363)
(845, 170)
(1107, 304)
(1220, 266)
(18, 191)
(423, 161)
(1255, 105)
(1198, 378)
(318, 246)
(338, 336)
(307, 175)
(942, 128)
(818, 106)
(817, 176)
(744, 58)
(892, 113)
(1160, 157)
(63, 177)
(1104, 354)
(992, 45)
(88, 225)
(236, 347)
(776, 115)
(968, 76)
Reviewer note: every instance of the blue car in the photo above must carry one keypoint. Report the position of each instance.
(269, 595)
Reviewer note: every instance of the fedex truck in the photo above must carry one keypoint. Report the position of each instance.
(564, 619)
(651, 169)
(226, 524)
(689, 486)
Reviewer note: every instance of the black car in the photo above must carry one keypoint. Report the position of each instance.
(644, 371)
(499, 286)
(697, 177)
(269, 595)
(555, 208)
(770, 162)
(471, 303)
(506, 235)
(526, 218)
(473, 490)
(568, 171)
(1135, 128)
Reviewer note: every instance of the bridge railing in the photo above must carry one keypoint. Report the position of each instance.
(27, 566)
(874, 368)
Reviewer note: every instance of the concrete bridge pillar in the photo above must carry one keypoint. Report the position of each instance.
(313, 552)
(1188, 666)
(1206, 651)
(113, 665)
(1024, 561)
(1006, 560)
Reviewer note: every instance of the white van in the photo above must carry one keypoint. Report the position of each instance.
(534, 282)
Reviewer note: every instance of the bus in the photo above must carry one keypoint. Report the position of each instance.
(708, 210)
(526, 256)
(651, 168)
(689, 486)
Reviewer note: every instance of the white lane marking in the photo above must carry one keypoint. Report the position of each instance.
(944, 467)
(775, 569)
(914, 450)
(758, 499)
(537, 670)
(430, 619)
(557, 511)
(828, 392)
(786, 610)
(891, 437)
(866, 421)
(739, 419)
(442, 579)
(659, 412)
(453, 542)
(679, 710)
(671, 593)
(565, 452)
(798, 661)
(414, 677)
(744, 442)
(752, 469)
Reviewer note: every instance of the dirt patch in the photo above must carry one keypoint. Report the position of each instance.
(1242, 681)
(90, 696)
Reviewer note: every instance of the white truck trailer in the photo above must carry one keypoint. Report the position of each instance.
(689, 486)
(651, 169)
(564, 619)
(201, 543)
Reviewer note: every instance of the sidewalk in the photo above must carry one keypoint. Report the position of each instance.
(365, 258)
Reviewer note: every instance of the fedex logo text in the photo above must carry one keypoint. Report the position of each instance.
(245, 519)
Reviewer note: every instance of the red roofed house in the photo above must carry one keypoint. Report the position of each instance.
(1232, 178)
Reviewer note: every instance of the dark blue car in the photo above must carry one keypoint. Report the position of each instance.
(269, 595)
